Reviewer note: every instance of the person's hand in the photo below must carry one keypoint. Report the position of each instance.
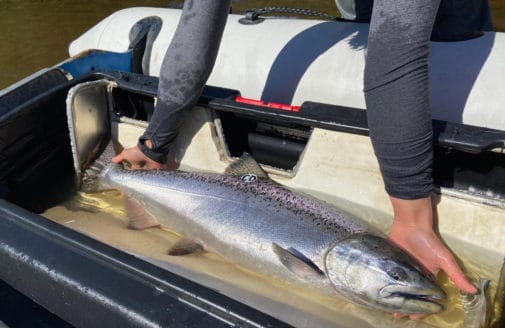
(412, 230)
(137, 160)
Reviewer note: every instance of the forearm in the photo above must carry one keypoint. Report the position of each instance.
(186, 67)
(399, 117)
(397, 94)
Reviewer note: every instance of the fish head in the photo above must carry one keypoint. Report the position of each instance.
(371, 271)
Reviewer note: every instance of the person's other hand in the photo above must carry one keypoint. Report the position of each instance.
(137, 160)
(412, 230)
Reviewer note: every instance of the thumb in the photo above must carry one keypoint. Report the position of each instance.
(119, 158)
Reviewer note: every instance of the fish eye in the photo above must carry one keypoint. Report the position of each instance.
(397, 274)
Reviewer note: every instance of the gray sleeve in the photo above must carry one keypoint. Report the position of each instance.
(186, 67)
(397, 94)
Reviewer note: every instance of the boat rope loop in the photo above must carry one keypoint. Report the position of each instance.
(252, 16)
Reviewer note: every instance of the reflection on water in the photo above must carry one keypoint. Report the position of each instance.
(102, 216)
(36, 33)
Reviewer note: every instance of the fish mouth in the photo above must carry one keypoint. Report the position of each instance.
(409, 302)
(422, 298)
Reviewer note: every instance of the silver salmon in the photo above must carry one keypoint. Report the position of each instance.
(264, 227)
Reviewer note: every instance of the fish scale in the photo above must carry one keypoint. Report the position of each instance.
(274, 218)
(302, 207)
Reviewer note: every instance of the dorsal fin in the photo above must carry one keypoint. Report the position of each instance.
(246, 164)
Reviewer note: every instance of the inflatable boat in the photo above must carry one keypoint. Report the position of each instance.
(294, 100)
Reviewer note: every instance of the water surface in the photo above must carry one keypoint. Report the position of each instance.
(102, 216)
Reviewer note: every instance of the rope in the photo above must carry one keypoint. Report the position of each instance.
(253, 14)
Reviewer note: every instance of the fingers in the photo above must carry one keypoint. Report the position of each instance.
(137, 167)
(118, 158)
(399, 315)
(136, 160)
(429, 250)
(448, 264)
(417, 316)
(129, 157)
(148, 166)
(125, 157)
(453, 271)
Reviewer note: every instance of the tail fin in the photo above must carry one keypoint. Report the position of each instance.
(90, 178)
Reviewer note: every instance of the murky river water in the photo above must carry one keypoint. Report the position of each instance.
(103, 217)
(36, 33)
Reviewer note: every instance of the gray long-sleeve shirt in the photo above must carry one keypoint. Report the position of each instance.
(396, 77)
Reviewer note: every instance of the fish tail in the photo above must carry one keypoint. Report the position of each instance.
(92, 178)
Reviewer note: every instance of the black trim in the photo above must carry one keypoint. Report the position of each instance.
(467, 138)
(89, 284)
(336, 118)
(462, 137)
(35, 152)
(31, 89)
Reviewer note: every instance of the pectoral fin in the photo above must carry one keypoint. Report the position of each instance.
(138, 217)
(185, 246)
(297, 263)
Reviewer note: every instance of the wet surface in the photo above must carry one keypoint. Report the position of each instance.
(102, 216)
(36, 33)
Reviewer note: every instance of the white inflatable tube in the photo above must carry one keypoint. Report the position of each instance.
(294, 60)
